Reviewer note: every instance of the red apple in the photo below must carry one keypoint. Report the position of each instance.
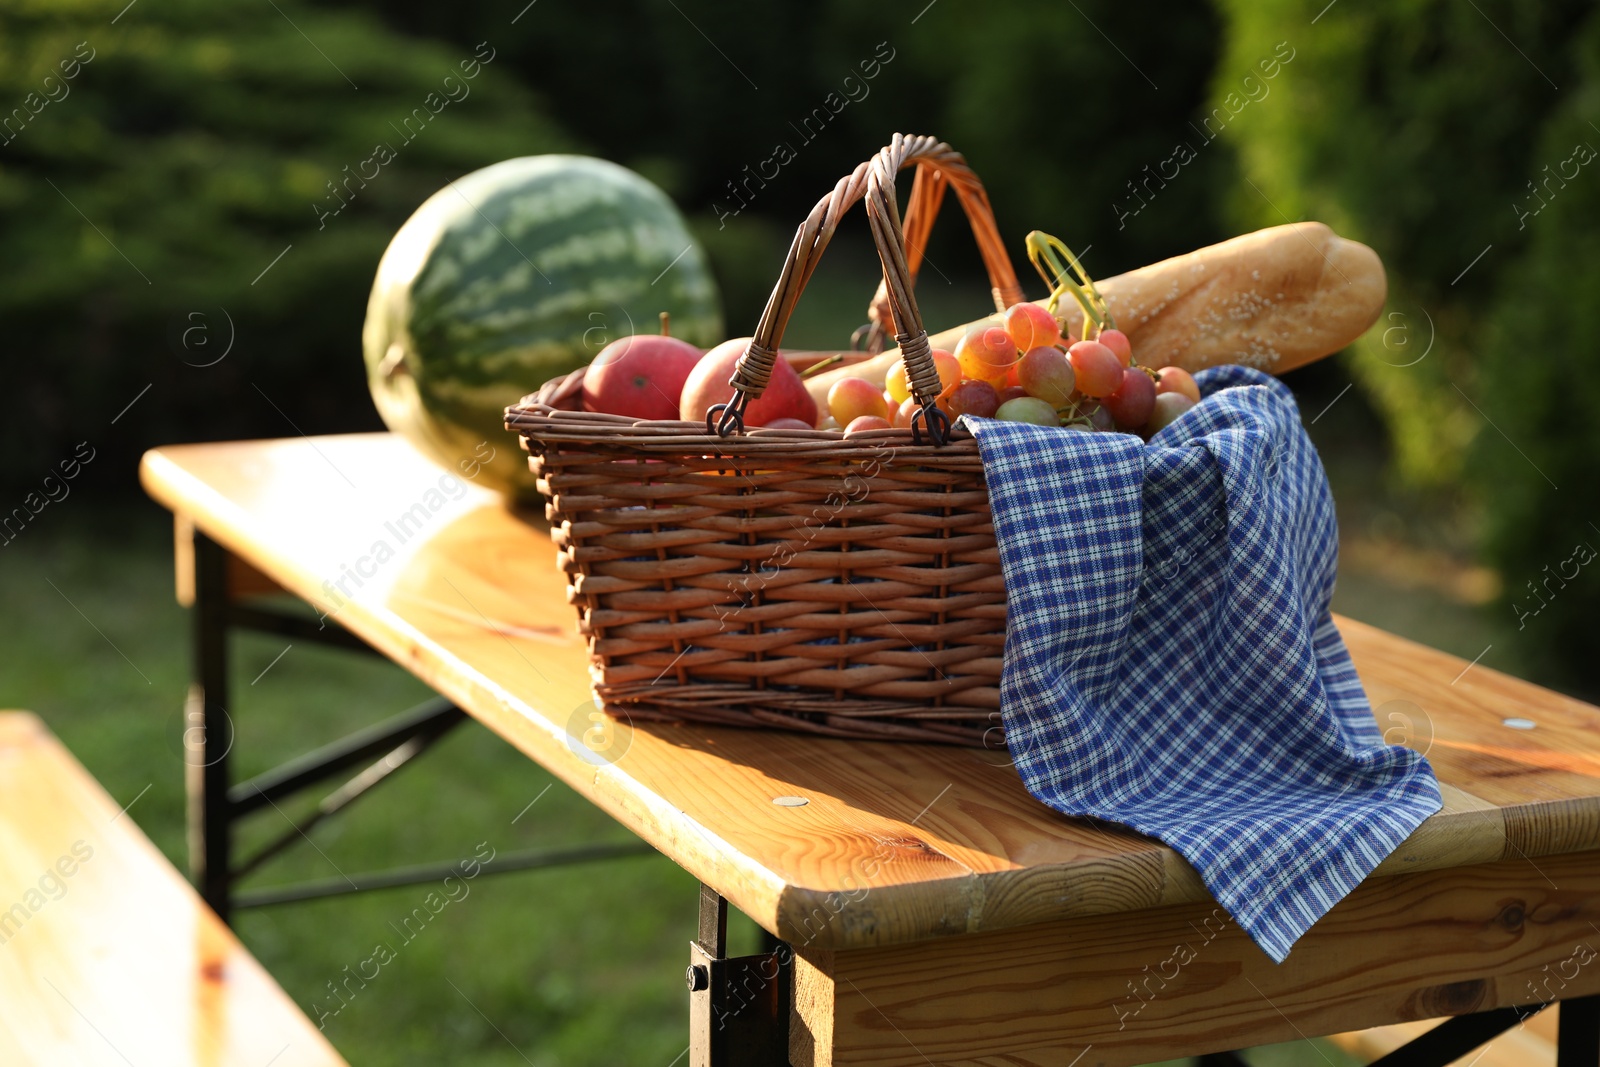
(641, 376)
(784, 398)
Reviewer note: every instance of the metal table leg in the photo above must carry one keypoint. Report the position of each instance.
(208, 732)
(1578, 1033)
(739, 1007)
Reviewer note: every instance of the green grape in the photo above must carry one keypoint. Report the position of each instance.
(1028, 409)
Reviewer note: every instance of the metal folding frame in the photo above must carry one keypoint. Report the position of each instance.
(215, 804)
(1577, 1040)
(739, 1006)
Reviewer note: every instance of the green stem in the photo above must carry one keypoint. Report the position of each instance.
(1090, 312)
(821, 365)
(1045, 249)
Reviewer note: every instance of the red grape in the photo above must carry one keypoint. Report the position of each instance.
(948, 367)
(985, 354)
(971, 398)
(1046, 374)
(1177, 380)
(1031, 326)
(1096, 368)
(1133, 401)
(1118, 342)
(1011, 392)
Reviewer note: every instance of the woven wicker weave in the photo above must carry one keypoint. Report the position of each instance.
(792, 578)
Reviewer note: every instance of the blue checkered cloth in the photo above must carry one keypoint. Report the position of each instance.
(1170, 660)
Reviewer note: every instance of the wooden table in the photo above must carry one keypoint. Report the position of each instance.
(937, 913)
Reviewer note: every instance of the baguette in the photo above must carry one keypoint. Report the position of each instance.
(1275, 299)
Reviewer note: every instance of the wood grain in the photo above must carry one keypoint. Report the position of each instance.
(1531, 1043)
(898, 842)
(1184, 980)
(108, 956)
(1457, 716)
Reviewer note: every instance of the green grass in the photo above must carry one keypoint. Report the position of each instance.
(574, 966)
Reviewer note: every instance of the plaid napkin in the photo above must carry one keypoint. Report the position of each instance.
(1170, 661)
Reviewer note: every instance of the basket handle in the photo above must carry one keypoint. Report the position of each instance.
(874, 179)
(927, 195)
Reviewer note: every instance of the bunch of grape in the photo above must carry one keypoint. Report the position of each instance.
(1022, 368)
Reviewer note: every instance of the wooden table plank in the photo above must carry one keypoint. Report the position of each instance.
(1545, 779)
(109, 957)
(898, 842)
(1183, 980)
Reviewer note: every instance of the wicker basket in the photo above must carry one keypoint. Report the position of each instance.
(792, 578)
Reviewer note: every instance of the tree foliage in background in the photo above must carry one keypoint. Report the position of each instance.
(698, 96)
(195, 145)
(199, 142)
(1060, 122)
(1418, 127)
(1539, 380)
(1409, 126)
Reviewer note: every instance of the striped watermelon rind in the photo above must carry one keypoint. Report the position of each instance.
(510, 276)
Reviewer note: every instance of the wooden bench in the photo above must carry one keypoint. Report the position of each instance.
(107, 956)
(1531, 1045)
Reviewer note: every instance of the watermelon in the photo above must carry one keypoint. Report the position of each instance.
(511, 276)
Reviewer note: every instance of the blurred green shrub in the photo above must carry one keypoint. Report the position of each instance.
(197, 142)
(1059, 108)
(1406, 126)
(1418, 127)
(1539, 380)
(1053, 117)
